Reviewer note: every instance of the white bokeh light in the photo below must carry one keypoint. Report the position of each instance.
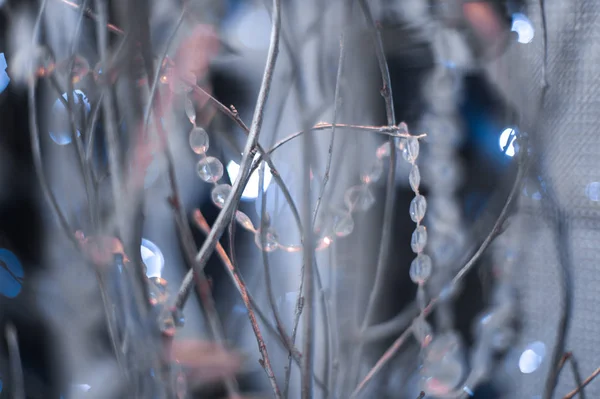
(524, 28)
(504, 136)
(532, 357)
(153, 258)
(251, 190)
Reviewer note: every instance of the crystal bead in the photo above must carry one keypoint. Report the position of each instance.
(383, 151)
(199, 140)
(359, 198)
(401, 144)
(344, 225)
(443, 365)
(420, 268)
(418, 239)
(414, 178)
(410, 152)
(374, 173)
(219, 195)
(422, 331)
(270, 240)
(244, 220)
(190, 111)
(418, 207)
(210, 169)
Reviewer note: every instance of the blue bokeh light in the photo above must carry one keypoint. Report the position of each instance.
(523, 27)
(11, 274)
(4, 78)
(60, 131)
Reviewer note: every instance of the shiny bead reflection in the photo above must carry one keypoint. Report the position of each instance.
(210, 169)
(443, 366)
(219, 194)
(422, 330)
(199, 141)
(410, 151)
(190, 112)
(343, 225)
(414, 178)
(419, 239)
(269, 243)
(244, 220)
(420, 268)
(418, 207)
(359, 198)
(374, 173)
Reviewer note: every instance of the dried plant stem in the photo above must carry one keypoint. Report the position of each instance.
(585, 382)
(266, 264)
(245, 295)
(568, 357)
(383, 360)
(250, 149)
(336, 100)
(35, 141)
(390, 195)
(391, 352)
(16, 369)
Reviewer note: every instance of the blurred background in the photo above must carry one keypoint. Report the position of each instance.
(469, 74)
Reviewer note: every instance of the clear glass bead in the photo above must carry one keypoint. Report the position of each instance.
(419, 239)
(343, 225)
(374, 173)
(421, 268)
(383, 151)
(418, 207)
(422, 331)
(414, 178)
(244, 220)
(410, 152)
(359, 198)
(199, 140)
(210, 169)
(190, 111)
(270, 241)
(219, 195)
(443, 365)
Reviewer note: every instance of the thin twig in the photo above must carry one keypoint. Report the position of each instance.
(523, 166)
(383, 360)
(568, 357)
(250, 148)
(241, 287)
(183, 227)
(35, 141)
(585, 382)
(390, 195)
(336, 100)
(16, 369)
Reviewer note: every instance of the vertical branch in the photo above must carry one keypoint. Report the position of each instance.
(35, 138)
(16, 369)
(390, 194)
(236, 278)
(249, 150)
